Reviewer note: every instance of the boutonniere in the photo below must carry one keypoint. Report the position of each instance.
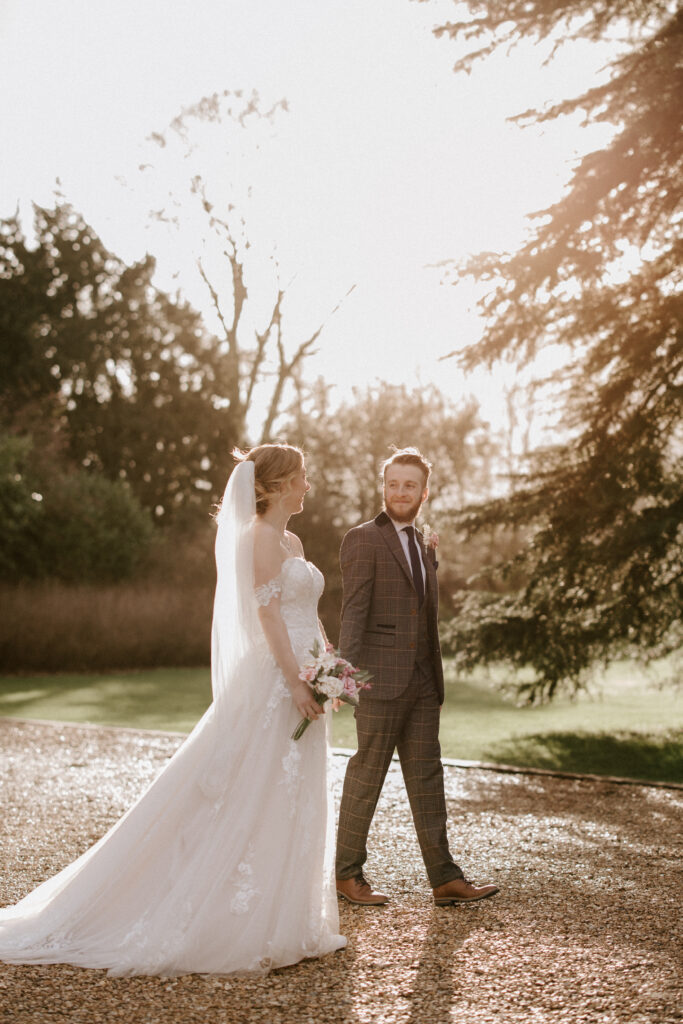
(430, 538)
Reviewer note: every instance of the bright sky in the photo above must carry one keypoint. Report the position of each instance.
(386, 162)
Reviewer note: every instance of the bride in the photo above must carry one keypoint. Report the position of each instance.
(225, 863)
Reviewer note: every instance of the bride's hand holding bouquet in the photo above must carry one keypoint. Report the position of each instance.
(330, 676)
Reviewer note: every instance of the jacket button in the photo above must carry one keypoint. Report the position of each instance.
(411, 646)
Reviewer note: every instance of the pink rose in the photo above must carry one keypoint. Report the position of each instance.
(308, 673)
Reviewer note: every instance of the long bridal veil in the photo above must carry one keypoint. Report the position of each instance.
(235, 622)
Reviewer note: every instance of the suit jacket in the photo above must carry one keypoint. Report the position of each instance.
(379, 619)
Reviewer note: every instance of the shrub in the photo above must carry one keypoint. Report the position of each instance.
(94, 529)
(66, 524)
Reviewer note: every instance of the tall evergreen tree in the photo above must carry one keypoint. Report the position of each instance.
(601, 275)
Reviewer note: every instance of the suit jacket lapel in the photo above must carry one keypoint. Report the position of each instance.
(390, 538)
(430, 568)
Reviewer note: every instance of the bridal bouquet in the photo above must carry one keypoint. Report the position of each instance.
(330, 676)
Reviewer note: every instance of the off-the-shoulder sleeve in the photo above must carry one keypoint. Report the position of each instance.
(267, 591)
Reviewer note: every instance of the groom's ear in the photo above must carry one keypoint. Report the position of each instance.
(425, 495)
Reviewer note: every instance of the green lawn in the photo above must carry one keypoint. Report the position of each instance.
(630, 725)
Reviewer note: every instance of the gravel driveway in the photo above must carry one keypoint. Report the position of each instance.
(585, 929)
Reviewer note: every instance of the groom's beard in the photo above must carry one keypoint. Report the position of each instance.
(402, 513)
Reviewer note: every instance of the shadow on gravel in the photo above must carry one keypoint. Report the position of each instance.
(655, 757)
(439, 969)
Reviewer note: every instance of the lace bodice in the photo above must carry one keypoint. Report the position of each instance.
(299, 585)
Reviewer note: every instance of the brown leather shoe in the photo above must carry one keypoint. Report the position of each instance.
(357, 890)
(459, 890)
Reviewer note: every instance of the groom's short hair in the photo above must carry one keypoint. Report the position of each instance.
(407, 457)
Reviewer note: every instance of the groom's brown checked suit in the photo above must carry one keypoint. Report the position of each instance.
(385, 630)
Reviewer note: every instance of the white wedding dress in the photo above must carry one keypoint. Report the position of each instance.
(225, 863)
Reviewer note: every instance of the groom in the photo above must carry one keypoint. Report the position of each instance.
(389, 627)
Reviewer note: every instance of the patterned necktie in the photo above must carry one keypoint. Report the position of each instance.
(415, 563)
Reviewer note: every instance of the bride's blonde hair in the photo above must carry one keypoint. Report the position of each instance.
(274, 465)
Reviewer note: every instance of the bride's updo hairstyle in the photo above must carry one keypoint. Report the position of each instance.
(274, 465)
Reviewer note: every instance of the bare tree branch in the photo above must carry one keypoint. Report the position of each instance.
(288, 368)
(242, 368)
(261, 343)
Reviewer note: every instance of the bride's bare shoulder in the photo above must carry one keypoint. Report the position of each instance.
(268, 555)
(263, 529)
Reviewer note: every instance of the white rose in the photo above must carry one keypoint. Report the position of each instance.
(328, 662)
(331, 686)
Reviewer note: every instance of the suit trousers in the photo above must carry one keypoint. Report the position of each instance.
(409, 724)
